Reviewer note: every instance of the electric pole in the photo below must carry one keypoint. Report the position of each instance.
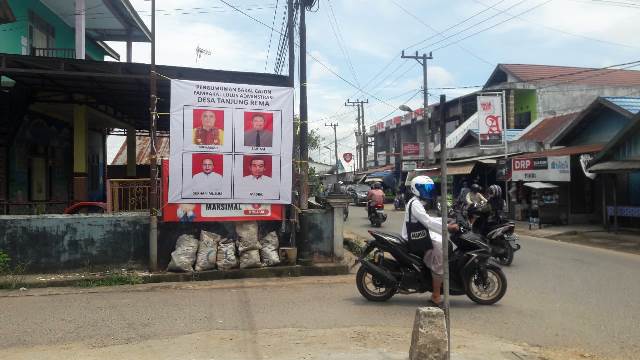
(335, 144)
(153, 158)
(304, 151)
(364, 144)
(422, 60)
(444, 210)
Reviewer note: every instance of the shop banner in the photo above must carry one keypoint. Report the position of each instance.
(409, 165)
(490, 121)
(412, 151)
(552, 168)
(230, 143)
(503, 169)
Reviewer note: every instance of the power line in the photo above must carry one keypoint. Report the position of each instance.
(337, 32)
(273, 23)
(492, 26)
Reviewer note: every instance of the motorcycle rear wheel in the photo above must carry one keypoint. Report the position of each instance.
(507, 258)
(370, 288)
(489, 293)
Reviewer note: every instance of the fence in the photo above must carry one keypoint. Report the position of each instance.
(130, 195)
(54, 52)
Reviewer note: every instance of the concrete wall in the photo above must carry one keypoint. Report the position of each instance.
(564, 99)
(58, 242)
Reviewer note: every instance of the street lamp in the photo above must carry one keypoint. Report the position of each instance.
(404, 108)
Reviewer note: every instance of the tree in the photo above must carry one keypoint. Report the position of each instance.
(313, 142)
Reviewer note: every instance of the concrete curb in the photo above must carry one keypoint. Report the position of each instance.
(270, 272)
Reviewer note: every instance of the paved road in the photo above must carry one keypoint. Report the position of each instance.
(559, 294)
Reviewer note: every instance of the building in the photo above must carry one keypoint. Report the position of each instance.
(52, 133)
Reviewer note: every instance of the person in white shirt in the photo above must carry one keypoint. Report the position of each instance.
(207, 181)
(257, 184)
(423, 188)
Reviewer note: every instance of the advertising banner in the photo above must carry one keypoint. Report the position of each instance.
(409, 165)
(552, 168)
(230, 143)
(382, 158)
(173, 212)
(412, 151)
(490, 121)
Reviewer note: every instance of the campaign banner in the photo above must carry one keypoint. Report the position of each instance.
(490, 121)
(412, 151)
(551, 168)
(230, 143)
(174, 212)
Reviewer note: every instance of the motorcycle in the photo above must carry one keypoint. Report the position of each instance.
(376, 215)
(393, 269)
(499, 236)
(399, 202)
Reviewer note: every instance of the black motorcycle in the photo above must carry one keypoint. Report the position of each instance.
(393, 269)
(376, 214)
(499, 233)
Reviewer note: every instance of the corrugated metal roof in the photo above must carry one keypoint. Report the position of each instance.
(571, 150)
(574, 75)
(631, 104)
(142, 151)
(546, 129)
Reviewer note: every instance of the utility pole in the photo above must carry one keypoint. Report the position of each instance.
(153, 158)
(335, 144)
(292, 58)
(422, 60)
(361, 129)
(304, 151)
(445, 211)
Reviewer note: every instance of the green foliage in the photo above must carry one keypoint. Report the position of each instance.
(4, 262)
(111, 280)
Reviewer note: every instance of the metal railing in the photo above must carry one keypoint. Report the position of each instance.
(54, 52)
(130, 195)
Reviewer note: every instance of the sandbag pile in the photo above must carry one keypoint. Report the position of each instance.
(213, 251)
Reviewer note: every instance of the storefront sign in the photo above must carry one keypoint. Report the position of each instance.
(173, 212)
(409, 165)
(388, 123)
(382, 158)
(490, 121)
(380, 126)
(412, 151)
(503, 169)
(230, 143)
(372, 129)
(552, 168)
(406, 118)
(347, 157)
(397, 120)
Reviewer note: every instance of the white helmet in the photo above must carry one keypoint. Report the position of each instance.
(423, 187)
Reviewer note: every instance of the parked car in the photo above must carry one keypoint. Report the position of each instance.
(87, 207)
(358, 193)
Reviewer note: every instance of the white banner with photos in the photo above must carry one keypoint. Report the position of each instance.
(230, 143)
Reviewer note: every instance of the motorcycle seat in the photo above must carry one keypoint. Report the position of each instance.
(395, 236)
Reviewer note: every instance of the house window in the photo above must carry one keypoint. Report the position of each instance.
(41, 33)
(523, 120)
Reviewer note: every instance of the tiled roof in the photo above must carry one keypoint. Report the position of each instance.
(631, 104)
(573, 75)
(548, 128)
(142, 153)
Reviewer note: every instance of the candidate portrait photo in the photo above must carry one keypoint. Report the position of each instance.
(257, 177)
(206, 175)
(257, 131)
(207, 129)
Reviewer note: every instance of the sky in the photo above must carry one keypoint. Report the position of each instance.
(354, 47)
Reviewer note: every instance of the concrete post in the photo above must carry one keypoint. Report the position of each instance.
(80, 150)
(338, 203)
(429, 338)
(80, 29)
(131, 152)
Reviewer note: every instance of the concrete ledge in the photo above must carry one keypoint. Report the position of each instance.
(267, 272)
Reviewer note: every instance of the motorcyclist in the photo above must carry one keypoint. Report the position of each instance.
(474, 196)
(424, 190)
(375, 197)
(494, 198)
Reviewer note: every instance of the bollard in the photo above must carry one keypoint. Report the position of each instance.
(429, 338)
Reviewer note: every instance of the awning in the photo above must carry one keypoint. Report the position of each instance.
(463, 169)
(615, 166)
(540, 185)
(571, 150)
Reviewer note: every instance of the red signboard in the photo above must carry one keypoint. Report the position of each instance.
(397, 120)
(214, 212)
(347, 157)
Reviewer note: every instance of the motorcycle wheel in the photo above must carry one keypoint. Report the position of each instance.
(507, 258)
(489, 293)
(370, 288)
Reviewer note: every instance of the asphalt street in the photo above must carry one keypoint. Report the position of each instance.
(560, 296)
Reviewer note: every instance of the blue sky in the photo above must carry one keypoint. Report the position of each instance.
(372, 33)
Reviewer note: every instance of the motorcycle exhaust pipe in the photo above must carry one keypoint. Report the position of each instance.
(380, 273)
